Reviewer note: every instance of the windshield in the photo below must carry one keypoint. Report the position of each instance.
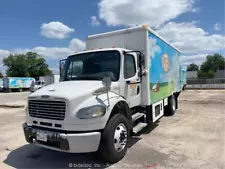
(92, 66)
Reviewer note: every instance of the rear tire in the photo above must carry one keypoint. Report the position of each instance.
(170, 109)
(115, 139)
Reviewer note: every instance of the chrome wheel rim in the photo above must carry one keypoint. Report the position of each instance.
(120, 137)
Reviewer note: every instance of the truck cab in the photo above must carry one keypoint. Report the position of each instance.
(120, 65)
(75, 104)
(103, 97)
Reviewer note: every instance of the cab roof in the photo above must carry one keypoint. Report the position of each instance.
(100, 49)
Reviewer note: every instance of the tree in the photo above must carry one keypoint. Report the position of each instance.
(202, 74)
(37, 65)
(1, 75)
(211, 64)
(211, 74)
(28, 65)
(192, 67)
(16, 65)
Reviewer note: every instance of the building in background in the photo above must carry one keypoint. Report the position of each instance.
(192, 74)
(220, 74)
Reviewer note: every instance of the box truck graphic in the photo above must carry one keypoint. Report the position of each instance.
(164, 69)
(17, 83)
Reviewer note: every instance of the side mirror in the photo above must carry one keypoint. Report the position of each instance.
(106, 82)
(61, 65)
(143, 73)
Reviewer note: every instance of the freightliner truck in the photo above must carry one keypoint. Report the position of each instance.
(123, 81)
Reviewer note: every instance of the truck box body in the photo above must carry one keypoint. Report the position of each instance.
(17, 82)
(183, 78)
(164, 69)
(20, 82)
(161, 59)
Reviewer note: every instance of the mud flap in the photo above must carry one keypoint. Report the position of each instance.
(176, 99)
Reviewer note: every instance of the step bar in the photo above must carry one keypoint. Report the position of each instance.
(137, 128)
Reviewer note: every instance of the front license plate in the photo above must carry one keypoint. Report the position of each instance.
(42, 136)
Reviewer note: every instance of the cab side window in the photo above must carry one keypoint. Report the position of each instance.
(129, 66)
(75, 68)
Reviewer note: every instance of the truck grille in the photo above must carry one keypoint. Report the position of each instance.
(46, 109)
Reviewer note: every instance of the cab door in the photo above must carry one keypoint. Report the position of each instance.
(132, 80)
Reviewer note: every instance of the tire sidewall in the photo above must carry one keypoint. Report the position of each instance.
(169, 111)
(108, 138)
(172, 104)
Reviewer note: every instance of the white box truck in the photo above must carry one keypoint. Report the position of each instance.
(44, 81)
(122, 82)
(50, 79)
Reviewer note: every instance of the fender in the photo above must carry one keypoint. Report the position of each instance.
(115, 101)
(118, 105)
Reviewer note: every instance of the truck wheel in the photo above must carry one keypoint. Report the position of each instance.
(114, 139)
(170, 109)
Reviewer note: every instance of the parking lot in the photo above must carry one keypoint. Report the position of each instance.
(193, 138)
(18, 98)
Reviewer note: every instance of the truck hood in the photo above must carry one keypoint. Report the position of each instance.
(69, 89)
(77, 94)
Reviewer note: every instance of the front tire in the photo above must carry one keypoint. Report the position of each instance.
(114, 139)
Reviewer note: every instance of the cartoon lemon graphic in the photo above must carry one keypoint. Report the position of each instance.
(165, 62)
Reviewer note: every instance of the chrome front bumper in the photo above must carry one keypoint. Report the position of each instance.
(66, 142)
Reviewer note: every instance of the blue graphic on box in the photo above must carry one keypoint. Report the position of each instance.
(164, 69)
(20, 82)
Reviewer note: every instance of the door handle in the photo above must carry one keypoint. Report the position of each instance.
(138, 89)
(128, 82)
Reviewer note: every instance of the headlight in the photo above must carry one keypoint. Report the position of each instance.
(91, 112)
